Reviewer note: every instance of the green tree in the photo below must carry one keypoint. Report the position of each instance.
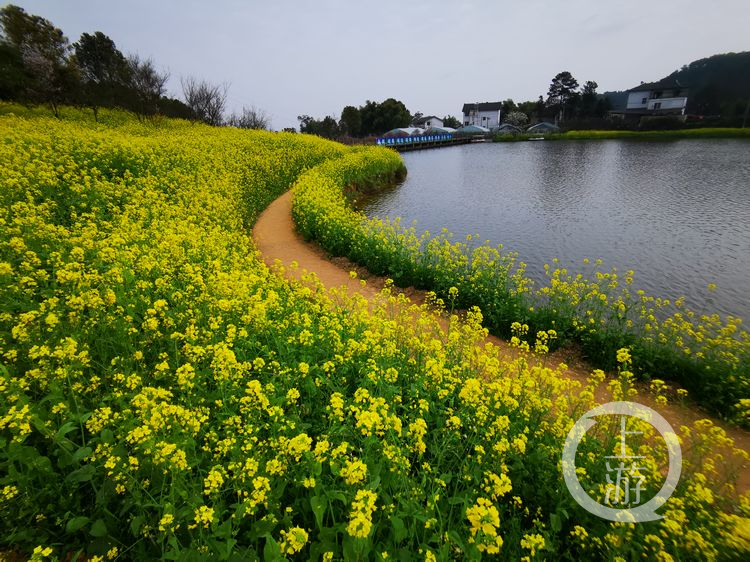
(103, 70)
(43, 48)
(562, 93)
(378, 118)
(13, 77)
(589, 98)
(451, 121)
(351, 121)
(508, 106)
(326, 127)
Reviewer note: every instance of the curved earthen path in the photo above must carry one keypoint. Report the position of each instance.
(279, 244)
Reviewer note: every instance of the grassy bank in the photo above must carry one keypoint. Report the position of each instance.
(708, 133)
(163, 395)
(708, 355)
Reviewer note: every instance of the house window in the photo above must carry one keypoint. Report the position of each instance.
(644, 101)
(657, 105)
(466, 122)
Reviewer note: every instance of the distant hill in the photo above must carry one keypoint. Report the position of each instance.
(717, 85)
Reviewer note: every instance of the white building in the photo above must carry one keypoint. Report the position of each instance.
(427, 122)
(485, 114)
(667, 97)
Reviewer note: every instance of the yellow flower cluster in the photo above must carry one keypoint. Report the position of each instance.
(485, 522)
(293, 540)
(360, 518)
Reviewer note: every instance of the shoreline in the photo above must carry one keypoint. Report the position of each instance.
(595, 134)
(279, 244)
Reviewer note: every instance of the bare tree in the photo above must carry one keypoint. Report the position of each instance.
(250, 118)
(146, 85)
(207, 101)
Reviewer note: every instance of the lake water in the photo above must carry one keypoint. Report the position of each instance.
(678, 213)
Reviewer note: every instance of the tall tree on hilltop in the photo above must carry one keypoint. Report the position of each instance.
(250, 118)
(103, 70)
(43, 49)
(146, 86)
(562, 93)
(13, 76)
(207, 101)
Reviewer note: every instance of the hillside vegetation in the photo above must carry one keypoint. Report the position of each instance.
(164, 395)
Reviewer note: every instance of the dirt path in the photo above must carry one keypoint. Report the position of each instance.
(278, 242)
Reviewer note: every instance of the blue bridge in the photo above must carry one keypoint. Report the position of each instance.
(416, 142)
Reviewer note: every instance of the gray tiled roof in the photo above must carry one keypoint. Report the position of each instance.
(485, 106)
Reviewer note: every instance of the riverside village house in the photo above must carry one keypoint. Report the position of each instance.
(667, 97)
(427, 122)
(485, 114)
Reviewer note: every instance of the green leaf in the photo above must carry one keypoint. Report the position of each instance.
(334, 495)
(76, 524)
(399, 530)
(135, 525)
(272, 550)
(82, 453)
(83, 474)
(319, 506)
(99, 528)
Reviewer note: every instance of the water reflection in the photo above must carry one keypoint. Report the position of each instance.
(676, 212)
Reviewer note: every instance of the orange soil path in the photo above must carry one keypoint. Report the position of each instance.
(278, 242)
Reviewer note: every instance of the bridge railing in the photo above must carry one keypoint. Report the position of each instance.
(413, 139)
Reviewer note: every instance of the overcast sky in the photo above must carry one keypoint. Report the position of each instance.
(317, 56)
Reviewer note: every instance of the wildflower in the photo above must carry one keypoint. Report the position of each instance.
(354, 472)
(299, 445)
(165, 523)
(485, 522)
(360, 518)
(623, 355)
(293, 540)
(532, 543)
(213, 482)
(51, 320)
(204, 515)
(41, 552)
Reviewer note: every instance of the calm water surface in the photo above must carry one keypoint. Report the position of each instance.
(678, 213)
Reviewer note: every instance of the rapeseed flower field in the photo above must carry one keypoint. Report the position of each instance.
(163, 394)
(597, 309)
